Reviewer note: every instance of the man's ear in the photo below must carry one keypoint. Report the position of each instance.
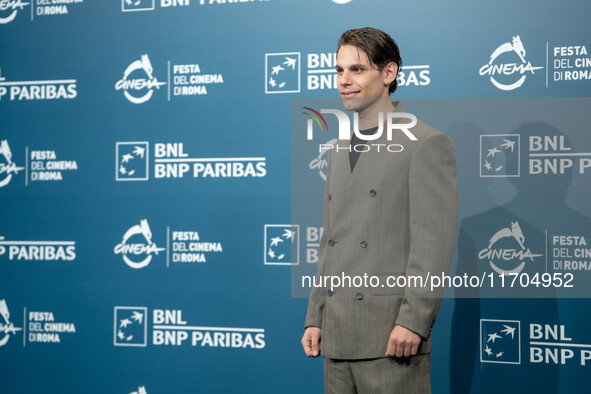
(389, 73)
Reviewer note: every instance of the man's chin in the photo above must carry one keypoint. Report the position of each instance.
(352, 103)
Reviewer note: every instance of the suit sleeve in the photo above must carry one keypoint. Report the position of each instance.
(318, 294)
(433, 196)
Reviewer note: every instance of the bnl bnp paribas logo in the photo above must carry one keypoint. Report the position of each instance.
(37, 250)
(131, 161)
(544, 343)
(131, 327)
(507, 67)
(136, 247)
(137, 5)
(500, 341)
(138, 82)
(169, 328)
(149, 5)
(506, 252)
(37, 90)
(172, 161)
(282, 244)
(283, 72)
(500, 155)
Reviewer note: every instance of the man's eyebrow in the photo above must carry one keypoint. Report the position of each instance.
(358, 65)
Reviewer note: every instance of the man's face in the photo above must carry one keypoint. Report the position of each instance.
(360, 83)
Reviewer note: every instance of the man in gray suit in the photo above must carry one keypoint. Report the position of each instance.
(386, 215)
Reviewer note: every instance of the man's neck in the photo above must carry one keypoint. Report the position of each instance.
(369, 117)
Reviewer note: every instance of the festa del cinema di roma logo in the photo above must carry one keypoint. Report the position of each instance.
(9, 9)
(7, 167)
(141, 87)
(495, 69)
(500, 257)
(7, 328)
(131, 249)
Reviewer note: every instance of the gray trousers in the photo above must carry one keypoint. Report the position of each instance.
(380, 375)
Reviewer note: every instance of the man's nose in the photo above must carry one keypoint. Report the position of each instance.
(344, 79)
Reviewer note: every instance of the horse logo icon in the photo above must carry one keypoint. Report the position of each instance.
(7, 328)
(496, 69)
(128, 248)
(147, 85)
(499, 257)
(8, 167)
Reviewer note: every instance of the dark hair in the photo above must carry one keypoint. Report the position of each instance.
(381, 49)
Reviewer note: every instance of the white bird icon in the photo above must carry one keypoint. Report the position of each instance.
(288, 234)
(275, 241)
(290, 62)
(126, 158)
(139, 151)
(137, 316)
(509, 330)
(508, 144)
(492, 152)
(492, 337)
(276, 69)
(125, 323)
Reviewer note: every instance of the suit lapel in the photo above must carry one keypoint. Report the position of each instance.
(340, 177)
(366, 156)
(343, 182)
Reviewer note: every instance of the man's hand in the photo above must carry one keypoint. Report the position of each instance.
(311, 341)
(402, 342)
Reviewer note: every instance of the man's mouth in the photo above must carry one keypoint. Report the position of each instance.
(350, 93)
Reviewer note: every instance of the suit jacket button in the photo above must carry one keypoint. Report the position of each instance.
(359, 296)
(330, 293)
(363, 244)
(372, 193)
(329, 197)
(331, 242)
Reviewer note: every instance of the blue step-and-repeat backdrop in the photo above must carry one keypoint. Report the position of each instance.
(145, 180)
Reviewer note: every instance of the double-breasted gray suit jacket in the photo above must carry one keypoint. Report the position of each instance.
(395, 214)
